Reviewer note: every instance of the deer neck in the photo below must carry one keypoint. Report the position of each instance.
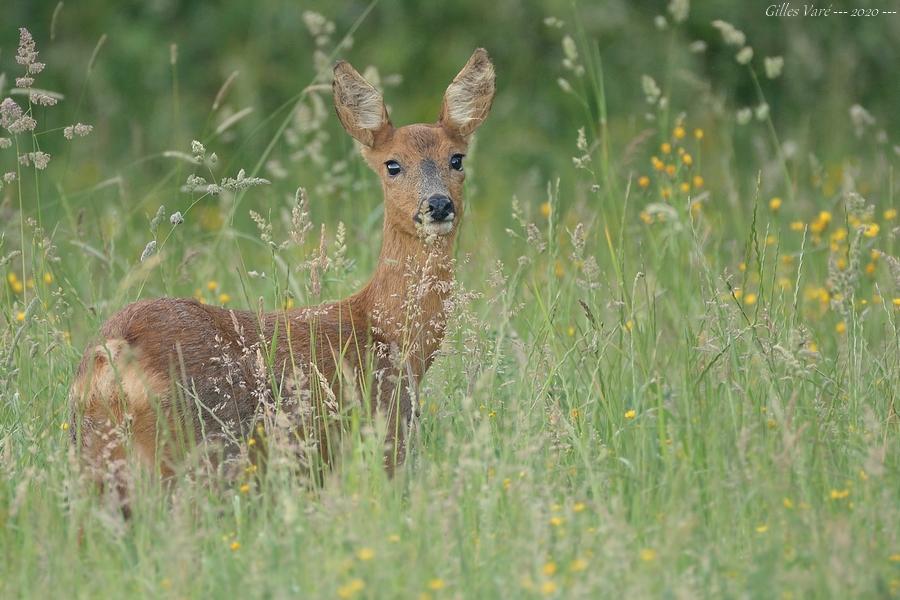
(404, 300)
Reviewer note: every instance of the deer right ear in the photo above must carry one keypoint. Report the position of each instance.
(359, 105)
(467, 101)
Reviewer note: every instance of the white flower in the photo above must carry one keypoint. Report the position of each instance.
(149, 250)
(651, 90)
(27, 53)
(774, 65)
(79, 129)
(569, 48)
(13, 119)
(731, 35)
(745, 55)
(697, 46)
(176, 218)
(744, 115)
(679, 10)
(39, 159)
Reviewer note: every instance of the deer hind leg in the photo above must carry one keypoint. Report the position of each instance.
(115, 407)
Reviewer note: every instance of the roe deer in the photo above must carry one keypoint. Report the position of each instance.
(170, 374)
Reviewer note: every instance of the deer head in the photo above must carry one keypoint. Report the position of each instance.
(420, 166)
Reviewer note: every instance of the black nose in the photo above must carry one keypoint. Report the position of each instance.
(439, 207)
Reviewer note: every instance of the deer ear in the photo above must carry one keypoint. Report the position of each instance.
(467, 101)
(359, 105)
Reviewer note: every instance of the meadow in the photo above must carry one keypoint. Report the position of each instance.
(673, 364)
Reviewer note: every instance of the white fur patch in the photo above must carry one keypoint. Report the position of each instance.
(438, 228)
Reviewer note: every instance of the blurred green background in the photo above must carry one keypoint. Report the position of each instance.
(829, 61)
(141, 105)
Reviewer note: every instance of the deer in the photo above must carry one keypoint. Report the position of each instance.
(168, 375)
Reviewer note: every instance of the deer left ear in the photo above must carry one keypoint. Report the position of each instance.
(359, 106)
(468, 99)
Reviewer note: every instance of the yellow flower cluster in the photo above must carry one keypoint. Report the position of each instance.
(18, 286)
(674, 166)
(212, 287)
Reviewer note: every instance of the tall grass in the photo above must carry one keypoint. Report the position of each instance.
(653, 383)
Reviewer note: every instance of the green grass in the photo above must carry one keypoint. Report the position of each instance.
(636, 398)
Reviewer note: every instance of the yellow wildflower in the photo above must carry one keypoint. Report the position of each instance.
(678, 132)
(666, 193)
(235, 546)
(890, 214)
(775, 204)
(630, 413)
(648, 554)
(365, 554)
(698, 181)
(788, 503)
(685, 187)
(20, 316)
(665, 147)
(549, 568)
(796, 225)
(545, 210)
(578, 507)
(212, 285)
(698, 133)
(750, 299)
(643, 181)
(762, 528)
(839, 494)
(871, 230)
(548, 588)
(670, 170)
(351, 588)
(436, 584)
(48, 278)
(224, 298)
(687, 159)
(557, 521)
(646, 217)
(578, 565)
(841, 327)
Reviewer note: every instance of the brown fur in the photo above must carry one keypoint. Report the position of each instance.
(169, 375)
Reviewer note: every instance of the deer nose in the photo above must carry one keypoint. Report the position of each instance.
(440, 207)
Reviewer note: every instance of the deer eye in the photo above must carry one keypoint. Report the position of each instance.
(456, 162)
(393, 168)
